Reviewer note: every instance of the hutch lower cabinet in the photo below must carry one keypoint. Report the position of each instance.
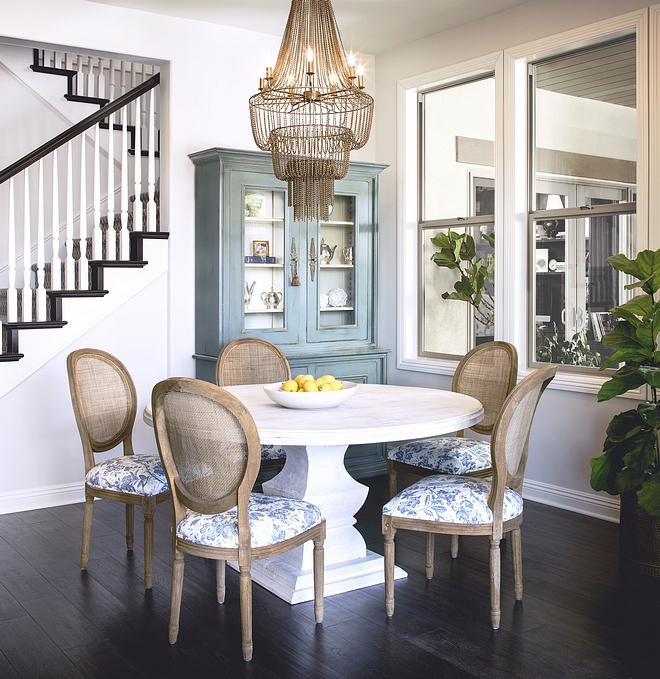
(308, 287)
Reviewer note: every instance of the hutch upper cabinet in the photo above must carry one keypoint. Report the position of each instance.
(309, 287)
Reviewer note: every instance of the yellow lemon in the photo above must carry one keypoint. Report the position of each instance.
(319, 381)
(309, 385)
(290, 385)
(325, 386)
(336, 385)
(304, 378)
(327, 378)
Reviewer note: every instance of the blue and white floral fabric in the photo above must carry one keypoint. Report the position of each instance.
(451, 499)
(136, 474)
(273, 453)
(444, 454)
(272, 519)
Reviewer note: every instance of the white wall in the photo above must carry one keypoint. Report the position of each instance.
(209, 72)
(570, 427)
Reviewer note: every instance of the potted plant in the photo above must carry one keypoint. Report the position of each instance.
(630, 463)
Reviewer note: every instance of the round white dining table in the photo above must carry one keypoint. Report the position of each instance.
(315, 442)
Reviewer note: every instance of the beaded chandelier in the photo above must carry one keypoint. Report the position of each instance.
(311, 110)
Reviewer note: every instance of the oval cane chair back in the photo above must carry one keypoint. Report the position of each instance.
(251, 360)
(104, 401)
(488, 373)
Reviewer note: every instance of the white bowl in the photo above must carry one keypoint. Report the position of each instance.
(310, 399)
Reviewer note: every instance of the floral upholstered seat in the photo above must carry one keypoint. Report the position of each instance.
(451, 499)
(272, 519)
(135, 474)
(272, 453)
(444, 454)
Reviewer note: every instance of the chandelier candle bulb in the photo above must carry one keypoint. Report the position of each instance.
(360, 76)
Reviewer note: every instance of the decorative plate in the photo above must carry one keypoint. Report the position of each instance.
(337, 297)
(307, 400)
(323, 300)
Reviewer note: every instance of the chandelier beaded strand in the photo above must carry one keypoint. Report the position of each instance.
(311, 110)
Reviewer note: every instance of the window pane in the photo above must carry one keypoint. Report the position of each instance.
(459, 133)
(575, 287)
(585, 117)
(452, 326)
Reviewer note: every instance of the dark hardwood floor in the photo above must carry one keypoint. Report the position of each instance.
(581, 617)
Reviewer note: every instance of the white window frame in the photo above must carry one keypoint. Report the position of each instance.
(512, 283)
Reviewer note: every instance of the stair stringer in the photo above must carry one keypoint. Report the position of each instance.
(40, 346)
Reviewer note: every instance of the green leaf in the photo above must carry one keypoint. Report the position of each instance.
(468, 249)
(628, 480)
(443, 259)
(640, 305)
(619, 385)
(650, 413)
(631, 356)
(603, 473)
(649, 496)
(489, 239)
(456, 296)
(621, 425)
(651, 374)
(641, 454)
(441, 240)
(629, 266)
(623, 336)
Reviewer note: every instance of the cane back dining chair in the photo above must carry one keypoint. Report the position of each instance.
(210, 450)
(250, 360)
(105, 404)
(463, 505)
(488, 373)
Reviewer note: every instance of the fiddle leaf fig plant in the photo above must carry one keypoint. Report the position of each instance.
(458, 252)
(630, 459)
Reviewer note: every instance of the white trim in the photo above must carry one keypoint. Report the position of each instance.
(601, 506)
(654, 127)
(42, 498)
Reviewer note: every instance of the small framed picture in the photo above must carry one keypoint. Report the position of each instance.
(260, 248)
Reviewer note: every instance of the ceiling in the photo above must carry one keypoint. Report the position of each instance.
(371, 26)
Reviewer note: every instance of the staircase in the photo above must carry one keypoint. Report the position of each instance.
(83, 203)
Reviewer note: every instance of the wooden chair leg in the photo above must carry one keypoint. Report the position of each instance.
(454, 546)
(430, 555)
(389, 569)
(175, 594)
(220, 581)
(245, 592)
(319, 579)
(130, 523)
(88, 515)
(148, 509)
(393, 478)
(495, 575)
(516, 553)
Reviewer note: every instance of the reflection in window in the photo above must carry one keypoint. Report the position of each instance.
(457, 192)
(584, 123)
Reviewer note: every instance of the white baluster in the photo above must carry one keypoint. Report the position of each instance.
(90, 76)
(82, 224)
(137, 169)
(97, 238)
(151, 166)
(69, 262)
(123, 196)
(27, 291)
(12, 302)
(110, 234)
(56, 262)
(68, 61)
(79, 77)
(132, 74)
(111, 80)
(41, 259)
(101, 79)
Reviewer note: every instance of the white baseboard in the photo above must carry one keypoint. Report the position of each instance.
(42, 498)
(601, 506)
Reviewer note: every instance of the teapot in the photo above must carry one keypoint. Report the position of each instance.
(249, 289)
(326, 253)
(271, 299)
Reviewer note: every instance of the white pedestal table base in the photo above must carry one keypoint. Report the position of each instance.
(317, 474)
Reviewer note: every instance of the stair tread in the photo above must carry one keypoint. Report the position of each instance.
(33, 325)
(76, 293)
(6, 358)
(118, 263)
